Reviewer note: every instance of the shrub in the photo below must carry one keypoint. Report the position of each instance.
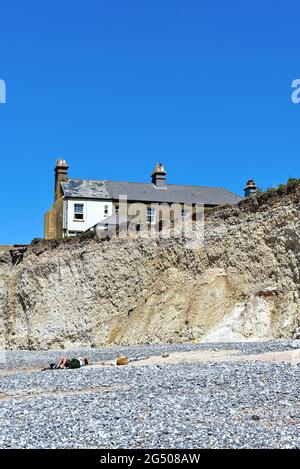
(271, 190)
(293, 182)
(36, 240)
(88, 234)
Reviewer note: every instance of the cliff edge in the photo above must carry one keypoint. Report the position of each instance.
(242, 284)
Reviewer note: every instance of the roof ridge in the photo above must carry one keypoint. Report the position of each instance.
(90, 180)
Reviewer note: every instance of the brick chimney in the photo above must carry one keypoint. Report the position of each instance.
(250, 189)
(61, 175)
(159, 176)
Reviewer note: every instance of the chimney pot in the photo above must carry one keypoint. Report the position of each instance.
(250, 189)
(159, 176)
(61, 163)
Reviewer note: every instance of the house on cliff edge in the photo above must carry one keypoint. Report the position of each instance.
(81, 204)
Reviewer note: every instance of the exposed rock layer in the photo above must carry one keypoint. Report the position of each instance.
(242, 284)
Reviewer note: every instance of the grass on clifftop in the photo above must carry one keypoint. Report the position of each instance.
(281, 189)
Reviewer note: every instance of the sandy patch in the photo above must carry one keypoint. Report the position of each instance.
(287, 356)
(206, 356)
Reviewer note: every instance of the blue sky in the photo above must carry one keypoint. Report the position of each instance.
(114, 86)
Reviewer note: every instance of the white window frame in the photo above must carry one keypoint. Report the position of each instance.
(151, 216)
(78, 212)
(106, 211)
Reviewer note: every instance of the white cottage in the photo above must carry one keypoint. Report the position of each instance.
(81, 204)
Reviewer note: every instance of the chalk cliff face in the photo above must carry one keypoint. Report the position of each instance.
(242, 284)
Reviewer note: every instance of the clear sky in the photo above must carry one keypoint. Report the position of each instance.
(114, 86)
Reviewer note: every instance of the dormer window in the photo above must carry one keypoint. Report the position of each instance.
(78, 212)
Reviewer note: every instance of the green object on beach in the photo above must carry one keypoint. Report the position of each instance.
(74, 363)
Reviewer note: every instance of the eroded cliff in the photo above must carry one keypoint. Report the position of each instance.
(242, 284)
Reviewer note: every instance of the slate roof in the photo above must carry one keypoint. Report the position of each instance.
(80, 188)
(143, 192)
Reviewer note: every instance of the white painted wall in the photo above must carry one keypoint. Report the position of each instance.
(93, 212)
